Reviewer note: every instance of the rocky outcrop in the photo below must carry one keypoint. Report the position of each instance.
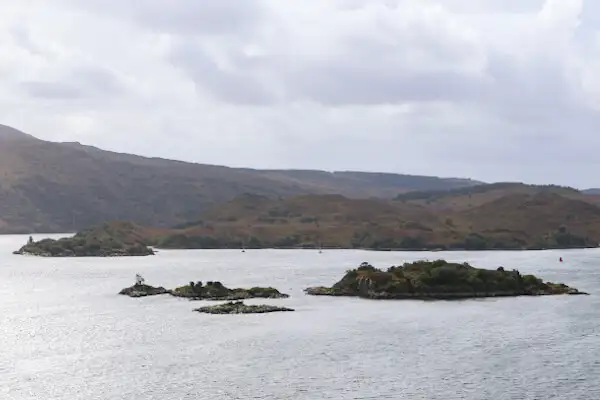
(438, 280)
(142, 290)
(216, 291)
(239, 307)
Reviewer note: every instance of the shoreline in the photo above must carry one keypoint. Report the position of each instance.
(372, 249)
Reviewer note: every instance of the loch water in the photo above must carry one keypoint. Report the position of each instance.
(65, 334)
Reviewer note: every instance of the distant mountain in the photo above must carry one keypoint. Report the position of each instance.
(473, 196)
(592, 192)
(58, 187)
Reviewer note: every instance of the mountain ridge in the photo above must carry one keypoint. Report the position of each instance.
(63, 187)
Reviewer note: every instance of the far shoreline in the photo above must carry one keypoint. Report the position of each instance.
(323, 248)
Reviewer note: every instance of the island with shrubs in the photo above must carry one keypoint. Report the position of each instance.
(438, 280)
(115, 239)
(212, 290)
(217, 291)
(238, 307)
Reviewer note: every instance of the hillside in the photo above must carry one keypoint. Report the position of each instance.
(542, 218)
(61, 187)
(468, 197)
(310, 221)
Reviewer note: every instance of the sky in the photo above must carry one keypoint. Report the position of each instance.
(495, 90)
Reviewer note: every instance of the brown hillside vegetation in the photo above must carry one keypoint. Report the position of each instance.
(469, 197)
(308, 221)
(61, 187)
(535, 220)
(542, 218)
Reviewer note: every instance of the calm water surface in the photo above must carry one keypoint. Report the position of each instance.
(65, 334)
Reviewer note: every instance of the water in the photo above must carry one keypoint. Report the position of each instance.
(65, 334)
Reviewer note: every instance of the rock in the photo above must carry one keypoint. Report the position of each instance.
(239, 307)
(321, 291)
(143, 291)
(575, 292)
(438, 280)
(216, 291)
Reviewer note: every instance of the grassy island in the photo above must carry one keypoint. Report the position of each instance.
(108, 240)
(239, 307)
(216, 291)
(438, 280)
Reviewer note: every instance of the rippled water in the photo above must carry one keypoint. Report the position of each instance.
(65, 334)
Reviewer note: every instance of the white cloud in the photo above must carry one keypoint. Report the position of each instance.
(487, 89)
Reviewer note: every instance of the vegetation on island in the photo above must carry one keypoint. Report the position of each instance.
(438, 280)
(217, 291)
(108, 240)
(239, 307)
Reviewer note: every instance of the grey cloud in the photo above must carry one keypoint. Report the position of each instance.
(344, 85)
(51, 90)
(241, 86)
(22, 37)
(504, 6)
(82, 82)
(368, 71)
(97, 79)
(370, 92)
(184, 16)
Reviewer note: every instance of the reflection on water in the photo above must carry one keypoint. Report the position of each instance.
(65, 334)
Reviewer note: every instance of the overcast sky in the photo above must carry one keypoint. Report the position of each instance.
(496, 90)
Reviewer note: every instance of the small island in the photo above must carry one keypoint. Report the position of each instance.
(109, 240)
(140, 289)
(438, 280)
(216, 291)
(239, 307)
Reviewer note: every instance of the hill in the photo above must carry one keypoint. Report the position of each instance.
(542, 217)
(538, 219)
(62, 187)
(468, 197)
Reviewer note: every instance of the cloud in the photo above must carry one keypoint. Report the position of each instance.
(79, 83)
(187, 17)
(491, 90)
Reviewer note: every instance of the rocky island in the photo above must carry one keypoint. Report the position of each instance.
(140, 289)
(239, 307)
(438, 280)
(108, 240)
(216, 291)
